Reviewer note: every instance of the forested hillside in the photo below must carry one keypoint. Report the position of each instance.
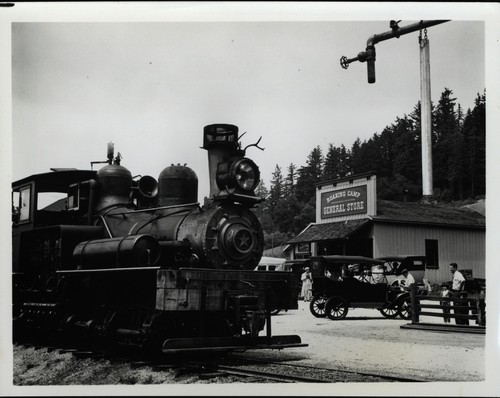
(458, 156)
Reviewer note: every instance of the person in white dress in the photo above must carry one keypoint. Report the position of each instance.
(306, 278)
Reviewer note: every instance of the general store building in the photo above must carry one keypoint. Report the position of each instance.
(351, 221)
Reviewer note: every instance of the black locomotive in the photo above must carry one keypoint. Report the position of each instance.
(139, 262)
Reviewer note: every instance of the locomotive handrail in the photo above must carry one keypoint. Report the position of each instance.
(194, 204)
(79, 271)
(106, 226)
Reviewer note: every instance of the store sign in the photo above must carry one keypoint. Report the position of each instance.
(344, 202)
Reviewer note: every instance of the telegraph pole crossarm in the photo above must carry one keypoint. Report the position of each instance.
(396, 31)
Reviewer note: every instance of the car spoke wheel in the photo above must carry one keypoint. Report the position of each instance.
(317, 306)
(389, 312)
(336, 308)
(404, 309)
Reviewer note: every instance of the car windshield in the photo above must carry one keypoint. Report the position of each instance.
(391, 266)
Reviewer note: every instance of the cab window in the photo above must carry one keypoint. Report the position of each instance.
(24, 203)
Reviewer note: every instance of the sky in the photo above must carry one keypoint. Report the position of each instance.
(151, 87)
(150, 76)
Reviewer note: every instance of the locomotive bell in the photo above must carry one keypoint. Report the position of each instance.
(177, 185)
(115, 183)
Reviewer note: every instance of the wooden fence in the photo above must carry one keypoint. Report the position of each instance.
(454, 312)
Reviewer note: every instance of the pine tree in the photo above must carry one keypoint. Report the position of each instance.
(445, 133)
(263, 209)
(474, 135)
(344, 162)
(290, 181)
(332, 163)
(277, 188)
(407, 169)
(356, 161)
(309, 175)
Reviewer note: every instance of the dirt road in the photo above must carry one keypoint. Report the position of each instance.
(366, 341)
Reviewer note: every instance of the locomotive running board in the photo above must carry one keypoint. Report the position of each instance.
(180, 345)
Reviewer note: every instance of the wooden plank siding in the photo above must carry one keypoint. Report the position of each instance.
(466, 247)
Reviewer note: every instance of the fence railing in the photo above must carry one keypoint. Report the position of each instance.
(461, 309)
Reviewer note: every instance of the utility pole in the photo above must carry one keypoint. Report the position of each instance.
(425, 88)
(425, 117)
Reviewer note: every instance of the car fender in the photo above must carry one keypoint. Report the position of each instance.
(400, 297)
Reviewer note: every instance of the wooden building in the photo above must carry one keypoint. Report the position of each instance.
(351, 221)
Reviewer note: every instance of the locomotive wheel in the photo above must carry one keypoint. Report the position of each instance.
(404, 309)
(336, 308)
(389, 312)
(317, 306)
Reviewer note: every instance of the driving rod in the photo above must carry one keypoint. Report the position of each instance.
(396, 31)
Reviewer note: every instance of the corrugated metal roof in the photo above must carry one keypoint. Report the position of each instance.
(419, 213)
(396, 212)
(336, 230)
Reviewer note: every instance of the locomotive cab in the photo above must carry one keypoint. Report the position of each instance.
(41, 201)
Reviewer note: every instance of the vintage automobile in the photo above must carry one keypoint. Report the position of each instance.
(270, 264)
(343, 282)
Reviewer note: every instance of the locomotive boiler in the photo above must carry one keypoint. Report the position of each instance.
(138, 262)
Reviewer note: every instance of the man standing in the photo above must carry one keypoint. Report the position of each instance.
(457, 291)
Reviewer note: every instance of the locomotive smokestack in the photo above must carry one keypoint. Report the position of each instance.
(221, 142)
(232, 175)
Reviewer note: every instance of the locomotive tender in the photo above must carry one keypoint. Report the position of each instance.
(138, 262)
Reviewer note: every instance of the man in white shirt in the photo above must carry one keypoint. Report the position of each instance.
(458, 279)
(409, 279)
(457, 287)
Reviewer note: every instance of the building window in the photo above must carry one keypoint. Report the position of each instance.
(432, 254)
(302, 250)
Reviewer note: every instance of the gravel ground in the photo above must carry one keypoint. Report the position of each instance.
(363, 342)
(366, 341)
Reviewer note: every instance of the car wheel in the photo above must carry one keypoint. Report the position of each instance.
(317, 306)
(404, 309)
(336, 308)
(389, 312)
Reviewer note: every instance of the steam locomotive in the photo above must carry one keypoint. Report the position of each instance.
(138, 262)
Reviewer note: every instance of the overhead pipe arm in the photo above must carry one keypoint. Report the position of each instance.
(396, 31)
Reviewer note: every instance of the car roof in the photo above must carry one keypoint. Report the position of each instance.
(399, 257)
(349, 259)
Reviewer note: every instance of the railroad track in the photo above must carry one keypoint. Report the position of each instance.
(236, 368)
(310, 374)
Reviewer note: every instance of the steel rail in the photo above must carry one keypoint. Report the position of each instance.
(351, 372)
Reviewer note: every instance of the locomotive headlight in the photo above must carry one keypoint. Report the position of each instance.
(242, 174)
(246, 173)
